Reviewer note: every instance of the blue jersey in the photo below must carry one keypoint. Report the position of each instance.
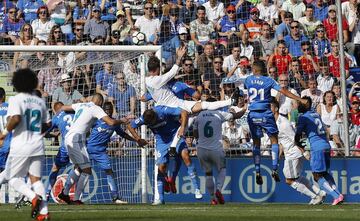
(311, 124)
(100, 136)
(3, 121)
(166, 126)
(179, 88)
(63, 122)
(259, 91)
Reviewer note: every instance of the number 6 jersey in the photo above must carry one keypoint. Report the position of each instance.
(27, 139)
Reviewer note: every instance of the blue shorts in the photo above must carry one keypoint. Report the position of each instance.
(162, 151)
(62, 158)
(3, 158)
(259, 120)
(320, 161)
(102, 159)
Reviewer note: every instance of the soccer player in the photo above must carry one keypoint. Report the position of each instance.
(97, 144)
(294, 158)
(260, 116)
(85, 116)
(164, 123)
(208, 128)
(62, 120)
(310, 123)
(28, 118)
(5, 145)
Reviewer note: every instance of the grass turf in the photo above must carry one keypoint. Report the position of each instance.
(190, 212)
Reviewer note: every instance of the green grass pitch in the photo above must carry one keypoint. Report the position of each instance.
(191, 212)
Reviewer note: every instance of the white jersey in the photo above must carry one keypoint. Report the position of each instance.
(85, 116)
(160, 92)
(27, 139)
(286, 138)
(209, 126)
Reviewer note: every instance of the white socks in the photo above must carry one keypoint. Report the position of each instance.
(215, 105)
(300, 186)
(39, 189)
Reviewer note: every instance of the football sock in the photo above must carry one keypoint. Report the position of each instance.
(113, 186)
(256, 157)
(215, 105)
(302, 188)
(192, 174)
(20, 186)
(275, 155)
(210, 185)
(72, 178)
(2, 178)
(221, 179)
(80, 185)
(323, 183)
(176, 168)
(331, 181)
(52, 179)
(160, 185)
(39, 189)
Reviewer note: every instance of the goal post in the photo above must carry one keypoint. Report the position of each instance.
(134, 185)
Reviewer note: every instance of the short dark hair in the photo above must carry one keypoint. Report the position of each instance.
(305, 43)
(107, 104)
(25, 80)
(275, 102)
(304, 108)
(2, 93)
(281, 42)
(98, 96)
(186, 58)
(261, 65)
(201, 7)
(288, 15)
(153, 63)
(309, 6)
(149, 115)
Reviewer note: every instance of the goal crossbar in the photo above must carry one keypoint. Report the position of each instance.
(79, 48)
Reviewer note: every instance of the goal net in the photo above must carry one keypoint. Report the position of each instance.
(72, 74)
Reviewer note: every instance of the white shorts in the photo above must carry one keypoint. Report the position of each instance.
(18, 166)
(187, 105)
(293, 168)
(211, 158)
(75, 144)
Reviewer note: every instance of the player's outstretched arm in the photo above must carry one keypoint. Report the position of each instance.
(14, 121)
(67, 108)
(184, 118)
(133, 132)
(111, 122)
(287, 93)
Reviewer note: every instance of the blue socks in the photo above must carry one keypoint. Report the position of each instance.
(52, 179)
(275, 155)
(324, 185)
(256, 157)
(160, 185)
(113, 186)
(178, 162)
(192, 175)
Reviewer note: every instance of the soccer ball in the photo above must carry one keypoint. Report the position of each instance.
(138, 38)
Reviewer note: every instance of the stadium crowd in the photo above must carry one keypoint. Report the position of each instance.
(297, 39)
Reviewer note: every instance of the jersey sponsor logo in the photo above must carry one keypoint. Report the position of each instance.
(253, 192)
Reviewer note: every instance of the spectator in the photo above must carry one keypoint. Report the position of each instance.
(105, 79)
(321, 44)
(307, 60)
(320, 10)
(176, 24)
(334, 61)
(336, 88)
(355, 110)
(243, 8)
(108, 10)
(349, 10)
(331, 26)
(232, 60)
(200, 29)
(122, 27)
(246, 48)
(29, 8)
(132, 74)
(26, 37)
(214, 10)
(213, 76)
(82, 12)
(268, 12)
(205, 60)
(96, 27)
(43, 24)
(66, 60)
(294, 39)
(123, 97)
(65, 94)
(60, 13)
(228, 26)
(296, 7)
(170, 43)
(190, 44)
(324, 79)
(188, 13)
(39, 60)
(297, 78)
(189, 74)
(253, 25)
(147, 23)
(79, 38)
(328, 110)
(355, 36)
(286, 104)
(265, 44)
(309, 22)
(49, 78)
(83, 81)
(9, 33)
(272, 72)
(280, 58)
(315, 94)
(284, 28)
(55, 35)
